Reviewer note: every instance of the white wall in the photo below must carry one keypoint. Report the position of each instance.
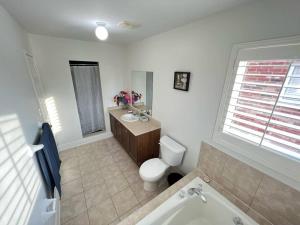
(203, 48)
(52, 56)
(20, 181)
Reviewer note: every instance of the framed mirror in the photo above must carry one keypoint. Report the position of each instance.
(142, 90)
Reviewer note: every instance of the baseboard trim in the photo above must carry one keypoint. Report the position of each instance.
(84, 141)
(57, 215)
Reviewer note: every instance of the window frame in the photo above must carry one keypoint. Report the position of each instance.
(279, 165)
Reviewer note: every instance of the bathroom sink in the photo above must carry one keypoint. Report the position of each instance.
(129, 117)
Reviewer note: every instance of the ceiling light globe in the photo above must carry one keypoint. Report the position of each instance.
(101, 33)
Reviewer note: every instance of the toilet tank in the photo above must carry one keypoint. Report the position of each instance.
(171, 152)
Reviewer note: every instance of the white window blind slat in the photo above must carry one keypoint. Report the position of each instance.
(254, 100)
(289, 125)
(253, 116)
(265, 75)
(263, 84)
(254, 92)
(281, 148)
(281, 141)
(283, 133)
(294, 106)
(242, 128)
(246, 134)
(286, 115)
(291, 87)
(247, 122)
(264, 107)
(251, 107)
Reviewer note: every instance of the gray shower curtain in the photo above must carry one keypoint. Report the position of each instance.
(87, 87)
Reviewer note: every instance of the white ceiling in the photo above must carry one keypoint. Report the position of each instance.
(76, 19)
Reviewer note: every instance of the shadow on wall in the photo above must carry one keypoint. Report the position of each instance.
(19, 177)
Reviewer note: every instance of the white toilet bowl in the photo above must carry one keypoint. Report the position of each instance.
(152, 170)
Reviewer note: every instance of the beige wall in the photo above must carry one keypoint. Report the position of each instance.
(263, 198)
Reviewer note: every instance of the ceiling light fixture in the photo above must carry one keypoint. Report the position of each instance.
(101, 31)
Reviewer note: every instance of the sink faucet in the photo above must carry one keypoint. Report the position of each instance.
(198, 191)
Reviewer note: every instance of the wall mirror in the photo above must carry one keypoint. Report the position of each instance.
(142, 90)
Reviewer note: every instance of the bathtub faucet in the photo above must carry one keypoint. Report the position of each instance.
(198, 191)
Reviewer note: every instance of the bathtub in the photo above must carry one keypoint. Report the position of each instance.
(183, 209)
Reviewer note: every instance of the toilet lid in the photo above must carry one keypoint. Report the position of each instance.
(153, 168)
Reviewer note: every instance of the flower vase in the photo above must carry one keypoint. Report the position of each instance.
(126, 106)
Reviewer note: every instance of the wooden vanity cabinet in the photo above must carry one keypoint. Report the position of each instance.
(140, 148)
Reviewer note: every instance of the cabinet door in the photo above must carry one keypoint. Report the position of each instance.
(124, 137)
(112, 124)
(133, 146)
(118, 130)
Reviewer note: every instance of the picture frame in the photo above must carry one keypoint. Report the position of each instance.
(181, 80)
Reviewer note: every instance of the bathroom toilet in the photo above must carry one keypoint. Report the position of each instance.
(152, 170)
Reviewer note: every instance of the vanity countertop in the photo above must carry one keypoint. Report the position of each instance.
(137, 128)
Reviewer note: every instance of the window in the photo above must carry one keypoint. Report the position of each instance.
(259, 114)
(264, 106)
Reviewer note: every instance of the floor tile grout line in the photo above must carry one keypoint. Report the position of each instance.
(116, 163)
(84, 193)
(132, 207)
(139, 201)
(115, 208)
(85, 200)
(64, 200)
(74, 215)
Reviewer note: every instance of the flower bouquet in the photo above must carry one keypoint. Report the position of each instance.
(123, 97)
(135, 96)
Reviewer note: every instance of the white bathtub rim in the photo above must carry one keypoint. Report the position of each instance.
(175, 202)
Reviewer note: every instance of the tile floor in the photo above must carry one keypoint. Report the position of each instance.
(100, 184)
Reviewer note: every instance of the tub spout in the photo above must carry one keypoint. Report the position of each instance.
(198, 191)
(203, 198)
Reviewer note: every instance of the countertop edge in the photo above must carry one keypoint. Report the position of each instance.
(111, 112)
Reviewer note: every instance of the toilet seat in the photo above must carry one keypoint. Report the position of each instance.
(153, 169)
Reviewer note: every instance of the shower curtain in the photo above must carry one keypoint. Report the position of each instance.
(87, 87)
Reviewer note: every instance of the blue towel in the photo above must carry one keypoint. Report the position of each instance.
(47, 129)
(46, 174)
(51, 158)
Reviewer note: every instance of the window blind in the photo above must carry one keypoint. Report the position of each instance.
(264, 106)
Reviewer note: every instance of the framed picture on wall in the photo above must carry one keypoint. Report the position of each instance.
(182, 80)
